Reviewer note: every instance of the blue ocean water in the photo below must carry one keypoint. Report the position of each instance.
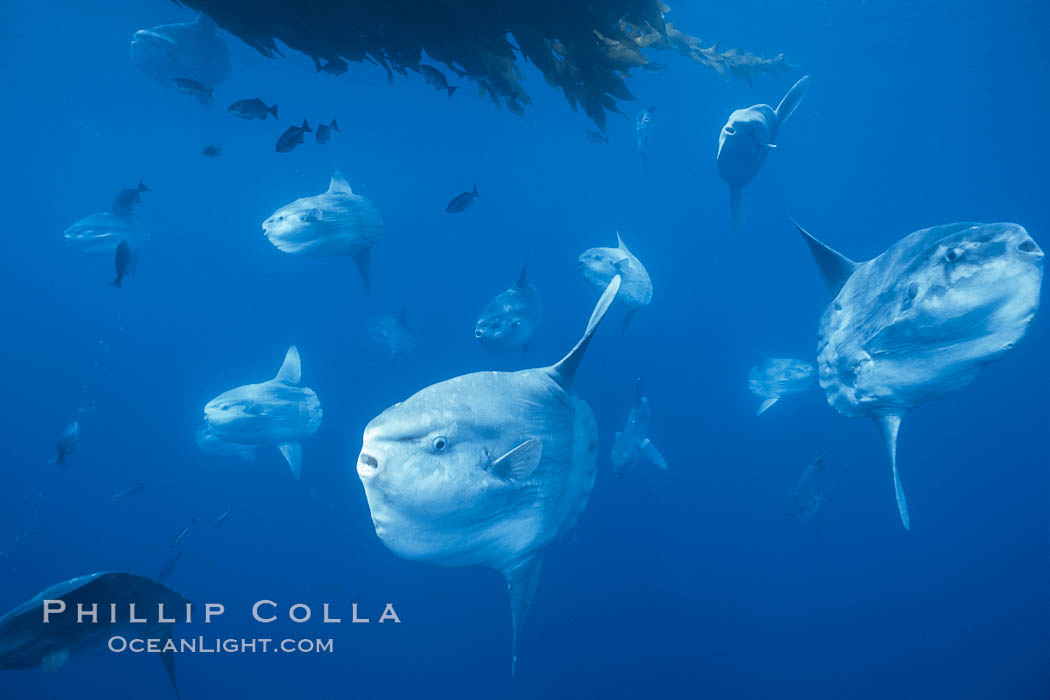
(685, 583)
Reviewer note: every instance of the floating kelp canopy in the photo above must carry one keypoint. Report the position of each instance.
(583, 47)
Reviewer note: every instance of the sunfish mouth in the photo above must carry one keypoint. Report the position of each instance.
(729, 131)
(367, 465)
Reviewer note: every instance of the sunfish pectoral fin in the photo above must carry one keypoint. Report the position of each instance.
(293, 453)
(792, 99)
(653, 455)
(835, 268)
(770, 145)
(889, 426)
(291, 369)
(520, 462)
(167, 657)
(53, 660)
(363, 260)
(766, 404)
(565, 371)
(521, 585)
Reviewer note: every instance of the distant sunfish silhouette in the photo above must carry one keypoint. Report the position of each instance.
(600, 265)
(188, 50)
(633, 444)
(777, 377)
(807, 496)
(922, 319)
(27, 642)
(747, 139)
(485, 469)
(277, 412)
(510, 320)
(335, 222)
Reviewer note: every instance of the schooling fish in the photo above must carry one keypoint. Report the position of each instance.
(922, 319)
(121, 259)
(212, 151)
(222, 518)
(633, 444)
(436, 79)
(46, 630)
(67, 442)
(324, 131)
(252, 109)
(485, 469)
(600, 265)
(335, 222)
(746, 140)
(169, 566)
(277, 412)
(292, 137)
(132, 490)
(128, 198)
(510, 320)
(335, 66)
(777, 377)
(462, 201)
(177, 542)
(192, 87)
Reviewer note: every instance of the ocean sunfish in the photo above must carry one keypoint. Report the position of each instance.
(600, 265)
(277, 412)
(103, 232)
(633, 444)
(187, 50)
(922, 319)
(485, 469)
(335, 222)
(807, 496)
(26, 641)
(391, 334)
(777, 377)
(746, 140)
(510, 320)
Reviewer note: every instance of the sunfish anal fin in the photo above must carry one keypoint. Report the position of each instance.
(565, 370)
(363, 260)
(889, 426)
(168, 657)
(291, 369)
(520, 462)
(521, 584)
(54, 660)
(766, 404)
(293, 453)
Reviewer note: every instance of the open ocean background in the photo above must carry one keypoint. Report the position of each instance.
(689, 583)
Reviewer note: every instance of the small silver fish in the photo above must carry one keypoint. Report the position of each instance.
(177, 542)
(132, 490)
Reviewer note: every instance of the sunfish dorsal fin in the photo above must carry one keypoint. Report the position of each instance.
(639, 391)
(293, 454)
(565, 370)
(835, 268)
(520, 462)
(291, 369)
(521, 585)
(206, 24)
(792, 99)
(621, 245)
(889, 427)
(523, 278)
(339, 183)
(53, 660)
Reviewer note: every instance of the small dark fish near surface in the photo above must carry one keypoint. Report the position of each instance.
(251, 109)
(324, 131)
(169, 566)
(128, 198)
(222, 518)
(192, 87)
(177, 542)
(121, 259)
(335, 66)
(462, 201)
(44, 631)
(595, 136)
(66, 443)
(292, 137)
(212, 151)
(436, 79)
(132, 490)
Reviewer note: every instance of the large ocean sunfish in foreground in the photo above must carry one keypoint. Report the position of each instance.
(922, 319)
(485, 469)
(27, 642)
(746, 140)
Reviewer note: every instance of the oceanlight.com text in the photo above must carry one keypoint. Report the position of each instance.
(219, 645)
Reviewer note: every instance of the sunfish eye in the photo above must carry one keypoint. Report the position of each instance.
(953, 254)
(440, 443)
